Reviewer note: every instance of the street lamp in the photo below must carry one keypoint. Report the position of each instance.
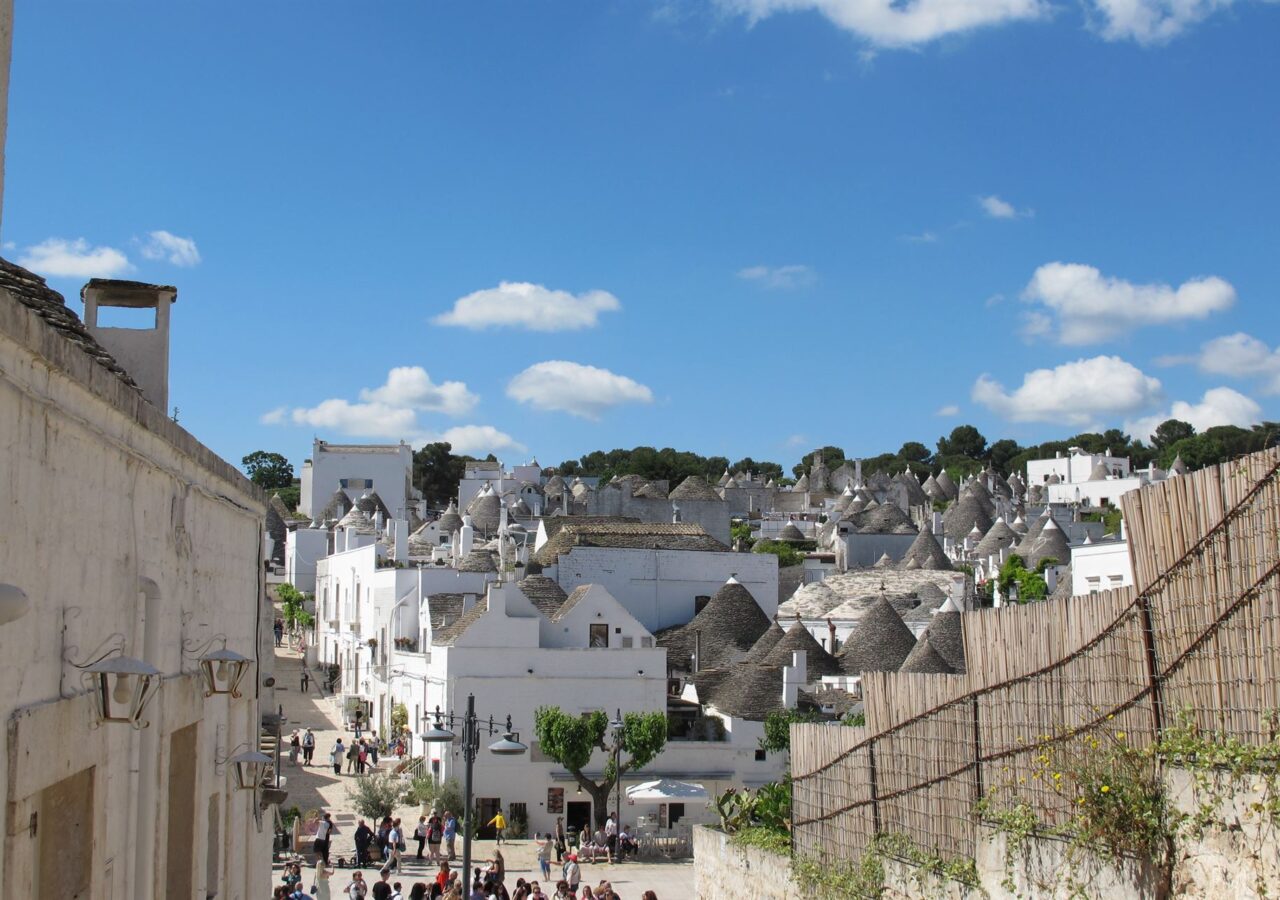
(617, 726)
(471, 726)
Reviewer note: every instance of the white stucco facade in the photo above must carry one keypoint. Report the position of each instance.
(356, 468)
(125, 534)
(661, 587)
(1100, 566)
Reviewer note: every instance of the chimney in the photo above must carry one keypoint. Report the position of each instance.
(142, 352)
(400, 553)
(831, 629)
(793, 678)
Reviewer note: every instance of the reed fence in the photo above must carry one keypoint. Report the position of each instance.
(1198, 636)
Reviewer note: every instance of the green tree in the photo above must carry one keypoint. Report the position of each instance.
(966, 441)
(1170, 431)
(763, 470)
(1001, 452)
(914, 451)
(437, 471)
(571, 740)
(787, 555)
(269, 471)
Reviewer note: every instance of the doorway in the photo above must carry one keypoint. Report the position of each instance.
(486, 809)
(578, 816)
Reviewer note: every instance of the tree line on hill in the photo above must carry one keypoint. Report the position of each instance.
(437, 469)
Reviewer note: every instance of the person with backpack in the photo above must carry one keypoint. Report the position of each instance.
(435, 833)
(308, 747)
(335, 756)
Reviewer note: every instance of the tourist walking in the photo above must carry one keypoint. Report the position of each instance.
(353, 755)
(324, 838)
(561, 845)
(306, 678)
(357, 889)
(320, 881)
(278, 628)
(500, 823)
(395, 844)
(544, 854)
(295, 746)
(435, 831)
(308, 747)
(335, 756)
(450, 834)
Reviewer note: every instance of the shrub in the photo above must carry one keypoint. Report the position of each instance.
(375, 796)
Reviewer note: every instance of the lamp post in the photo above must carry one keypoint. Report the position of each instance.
(617, 726)
(471, 728)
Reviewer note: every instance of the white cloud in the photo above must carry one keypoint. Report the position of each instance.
(473, 439)
(1152, 21)
(358, 419)
(1075, 393)
(1218, 406)
(890, 23)
(949, 410)
(59, 258)
(570, 387)
(924, 237)
(391, 412)
(797, 440)
(179, 251)
(519, 304)
(1241, 356)
(780, 277)
(411, 387)
(1091, 307)
(996, 208)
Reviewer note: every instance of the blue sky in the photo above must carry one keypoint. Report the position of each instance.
(741, 227)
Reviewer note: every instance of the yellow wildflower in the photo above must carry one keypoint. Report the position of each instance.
(1106, 789)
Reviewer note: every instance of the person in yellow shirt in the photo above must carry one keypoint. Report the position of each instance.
(500, 823)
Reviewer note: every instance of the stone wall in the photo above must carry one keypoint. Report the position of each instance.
(724, 871)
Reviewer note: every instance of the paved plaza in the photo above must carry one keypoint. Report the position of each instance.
(316, 787)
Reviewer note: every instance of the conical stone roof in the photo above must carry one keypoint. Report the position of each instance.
(730, 625)
(927, 552)
(1100, 472)
(944, 635)
(1023, 547)
(1050, 544)
(880, 642)
(485, 511)
(762, 647)
(915, 493)
(948, 486)
(802, 483)
(478, 560)
(790, 532)
(885, 518)
(884, 562)
(964, 514)
(370, 504)
(337, 507)
(933, 490)
(357, 520)
(450, 521)
(925, 659)
(820, 662)
(694, 488)
(554, 486)
(998, 536)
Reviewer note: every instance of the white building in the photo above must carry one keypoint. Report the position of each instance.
(659, 572)
(1075, 466)
(125, 537)
(1101, 565)
(386, 469)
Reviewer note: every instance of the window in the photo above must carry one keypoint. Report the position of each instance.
(760, 755)
(1095, 583)
(675, 812)
(646, 642)
(627, 642)
(1117, 581)
(599, 636)
(356, 484)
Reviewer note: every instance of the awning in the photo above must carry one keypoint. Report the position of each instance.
(666, 789)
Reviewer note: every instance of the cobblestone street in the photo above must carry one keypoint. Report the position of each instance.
(316, 787)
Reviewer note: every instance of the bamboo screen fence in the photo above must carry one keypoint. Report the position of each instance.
(1198, 636)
